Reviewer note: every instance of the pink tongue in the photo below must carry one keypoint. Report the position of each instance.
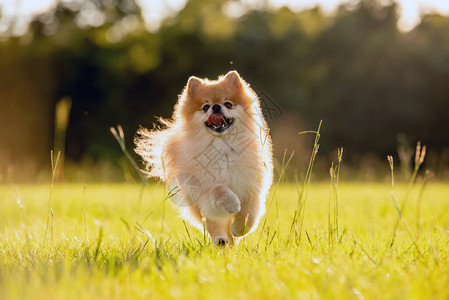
(216, 119)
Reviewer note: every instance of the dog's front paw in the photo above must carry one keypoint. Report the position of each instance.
(226, 200)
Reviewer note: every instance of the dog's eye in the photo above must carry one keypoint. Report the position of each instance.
(206, 107)
(228, 105)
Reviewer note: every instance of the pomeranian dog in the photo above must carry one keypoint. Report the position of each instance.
(215, 155)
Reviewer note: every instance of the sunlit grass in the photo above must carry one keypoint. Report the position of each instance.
(120, 259)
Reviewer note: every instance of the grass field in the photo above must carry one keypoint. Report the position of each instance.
(101, 245)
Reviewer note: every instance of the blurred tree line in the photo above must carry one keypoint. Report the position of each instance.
(354, 70)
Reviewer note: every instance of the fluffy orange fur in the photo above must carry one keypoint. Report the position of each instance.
(222, 173)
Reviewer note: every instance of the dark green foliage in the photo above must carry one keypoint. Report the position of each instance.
(354, 70)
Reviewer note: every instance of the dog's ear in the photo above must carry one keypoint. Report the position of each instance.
(193, 84)
(233, 79)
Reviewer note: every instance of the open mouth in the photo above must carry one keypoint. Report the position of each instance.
(218, 122)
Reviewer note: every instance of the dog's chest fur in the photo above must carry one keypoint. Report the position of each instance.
(231, 160)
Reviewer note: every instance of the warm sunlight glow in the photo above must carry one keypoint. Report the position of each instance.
(410, 10)
(155, 10)
(9, 9)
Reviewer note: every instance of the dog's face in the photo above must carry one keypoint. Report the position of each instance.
(215, 106)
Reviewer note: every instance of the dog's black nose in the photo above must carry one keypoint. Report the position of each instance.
(216, 108)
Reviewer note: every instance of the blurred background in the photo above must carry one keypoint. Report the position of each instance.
(376, 72)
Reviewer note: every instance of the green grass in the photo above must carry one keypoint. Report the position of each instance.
(111, 253)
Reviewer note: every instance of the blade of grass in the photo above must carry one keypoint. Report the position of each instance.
(300, 207)
(283, 168)
(120, 138)
(54, 165)
(399, 211)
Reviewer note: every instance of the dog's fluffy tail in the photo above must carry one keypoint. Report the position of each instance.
(150, 146)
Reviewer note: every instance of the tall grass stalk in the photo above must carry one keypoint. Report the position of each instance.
(329, 221)
(428, 175)
(440, 228)
(86, 238)
(99, 241)
(284, 166)
(163, 218)
(171, 193)
(420, 154)
(120, 137)
(366, 253)
(399, 210)
(334, 173)
(54, 165)
(298, 215)
(340, 159)
(147, 235)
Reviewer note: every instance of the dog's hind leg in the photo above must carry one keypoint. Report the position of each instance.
(246, 219)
